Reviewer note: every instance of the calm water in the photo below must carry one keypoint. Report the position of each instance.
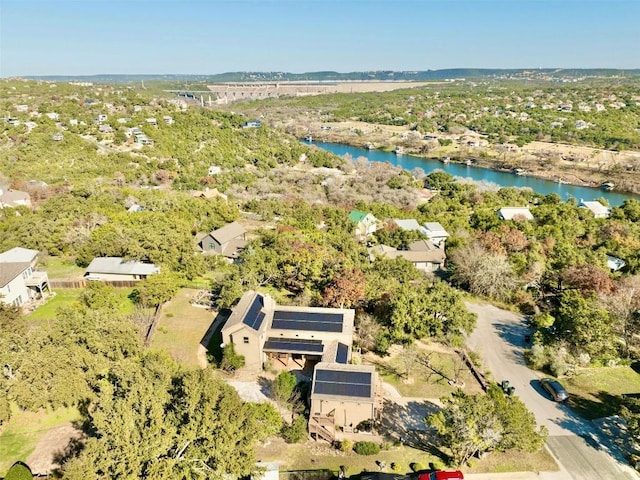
(503, 179)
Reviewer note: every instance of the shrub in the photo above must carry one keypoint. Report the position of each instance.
(282, 387)
(386, 445)
(417, 467)
(366, 448)
(296, 432)
(346, 445)
(19, 471)
(231, 361)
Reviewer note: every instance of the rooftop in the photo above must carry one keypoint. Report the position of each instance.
(18, 254)
(228, 232)
(117, 265)
(344, 381)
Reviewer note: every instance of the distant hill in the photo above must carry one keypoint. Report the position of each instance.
(379, 75)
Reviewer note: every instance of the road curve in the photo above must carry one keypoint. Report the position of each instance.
(499, 341)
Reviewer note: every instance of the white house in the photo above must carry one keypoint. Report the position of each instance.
(615, 263)
(409, 225)
(424, 255)
(515, 213)
(436, 233)
(214, 170)
(599, 210)
(118, 269)
(53, 115)
(20, 282)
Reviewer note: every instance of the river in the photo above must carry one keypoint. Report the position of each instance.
(503, 179)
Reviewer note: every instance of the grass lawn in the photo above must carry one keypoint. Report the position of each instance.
(181, 328)
(19, 436)
(595, 392)
(58, 267)
(426, 382)
(66, 296)
(62, 298)
(312, 456)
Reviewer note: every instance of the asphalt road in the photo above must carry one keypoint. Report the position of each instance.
(581, 452)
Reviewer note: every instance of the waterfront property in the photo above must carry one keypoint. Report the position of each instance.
(598, 210)
(20, 282)
(436, 233)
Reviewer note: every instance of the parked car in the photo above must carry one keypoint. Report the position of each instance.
(442, 475)
(555, 389)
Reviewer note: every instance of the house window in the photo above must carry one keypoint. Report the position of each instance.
(245, 339)
(212, 245)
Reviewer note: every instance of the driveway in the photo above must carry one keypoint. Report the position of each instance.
(499, 341)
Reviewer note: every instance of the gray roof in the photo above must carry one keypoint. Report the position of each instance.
(116, 265)
(14, 197)
(18, 254)
(9, 271)
(228, 232)
(408, 225)
(510, 213)
(435, 229)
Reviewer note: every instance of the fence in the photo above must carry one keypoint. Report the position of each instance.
(81, 283)
(154, 325)
(484, 383)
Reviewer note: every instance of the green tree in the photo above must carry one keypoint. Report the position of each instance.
(282, 387)
(156, 289)
(19, 471)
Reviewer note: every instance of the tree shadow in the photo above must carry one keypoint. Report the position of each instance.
(212, 339)
(386, 369)
(514, 335)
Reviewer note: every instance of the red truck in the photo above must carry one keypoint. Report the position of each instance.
(442, 475)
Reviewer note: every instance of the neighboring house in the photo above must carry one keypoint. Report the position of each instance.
(342, 395)
(436, 233)
(20, 282)
(118, 269)
(252, 124)
(599, 210)
(53, 115)
(366, 224)
(208, 193)
(515, 213)
(13, 198)
(168, 120)
(615, 263)
(424, 255)
(227, 241)
(409, 225)
(214, 170)
(135, 208)
(103, 128)
(152, 121)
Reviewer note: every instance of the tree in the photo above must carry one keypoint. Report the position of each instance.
(482, 272)
(156, 289)
(584, 325)
(624, 306)
(282, 387)
(346, 289)
(471, 425)
(587, 278)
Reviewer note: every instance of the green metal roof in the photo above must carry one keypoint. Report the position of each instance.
(357, 216)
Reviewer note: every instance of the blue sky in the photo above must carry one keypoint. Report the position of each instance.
(84, 37)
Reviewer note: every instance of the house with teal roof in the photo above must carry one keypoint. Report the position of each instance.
(366, 224)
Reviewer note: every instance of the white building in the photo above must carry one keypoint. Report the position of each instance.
(116, 268)
(20, 282)
(599, 210)
(436, 233)
(515, 213)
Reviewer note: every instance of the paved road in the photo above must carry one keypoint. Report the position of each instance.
(582, 454)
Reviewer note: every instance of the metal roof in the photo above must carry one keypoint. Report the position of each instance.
(118, 266)
(228, 232)
(17, 255)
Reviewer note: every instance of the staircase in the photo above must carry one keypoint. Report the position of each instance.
(322, 427)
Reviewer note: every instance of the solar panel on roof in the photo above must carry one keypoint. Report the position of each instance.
(307, 321)
(342, 353)
(293, 345)
(345, 384)
(254, 316)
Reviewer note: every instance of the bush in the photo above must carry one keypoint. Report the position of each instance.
(417, 467)
(282, 387)
(231, 361)
(296, 432)
(386, 445)
(19, 471)
(346, 446)
(366, 448)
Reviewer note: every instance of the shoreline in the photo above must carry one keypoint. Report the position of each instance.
(536, 166)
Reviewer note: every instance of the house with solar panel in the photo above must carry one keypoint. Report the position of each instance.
(311, 339)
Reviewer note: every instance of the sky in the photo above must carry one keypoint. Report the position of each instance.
(88, 37)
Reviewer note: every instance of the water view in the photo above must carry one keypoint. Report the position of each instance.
(504, 179)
